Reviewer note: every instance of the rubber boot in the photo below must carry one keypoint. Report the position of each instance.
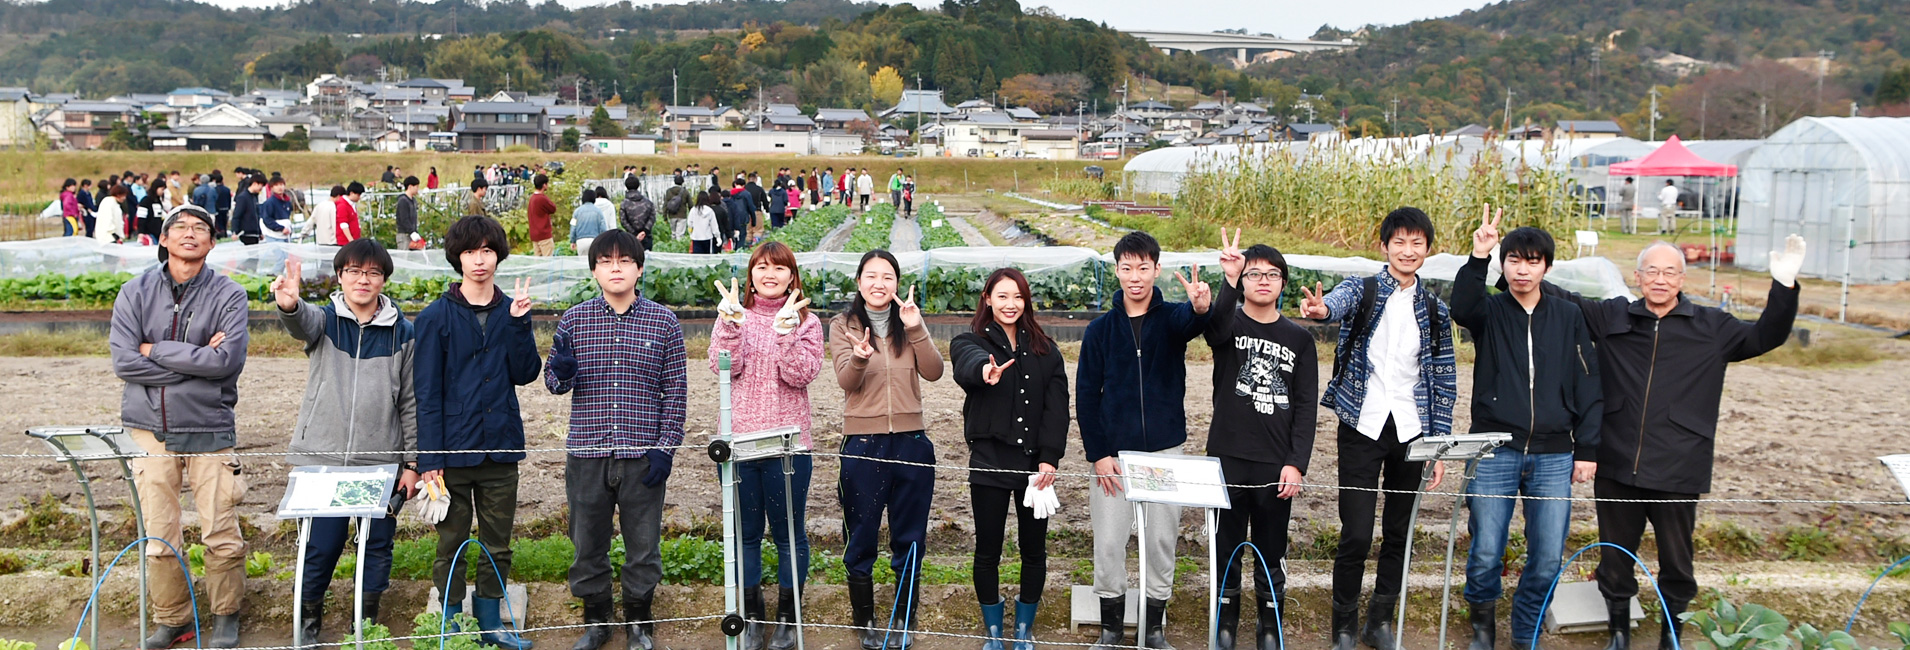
(490, 617)
(862, 611)
(597, 616)
(753, 636)
(991, 624)
(310, 612)
(1618, 621)
(1267, 630)
(1229, 623)
(1485, 625)
(638, 632)
(164, 636)
(784, 637)
(1346, 625)
(1113, 622)
(371, 606)
(908, 606)
(1669, 633)
(1378, 633)
(1025, 624)
(224, 632)
(1154, 622)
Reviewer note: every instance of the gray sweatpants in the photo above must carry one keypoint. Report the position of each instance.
(596, 488)
(1113, 520)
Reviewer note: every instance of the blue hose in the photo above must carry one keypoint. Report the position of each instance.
(1873, 585)
(1547, 603)
(445, 609)
(908, 609)
(1279, 625)
(101, 581)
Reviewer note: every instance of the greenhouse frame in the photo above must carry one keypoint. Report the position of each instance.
(1843, 183)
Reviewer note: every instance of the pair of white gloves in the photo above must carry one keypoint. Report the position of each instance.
(432, 503)
(787, 319)
(1042, 500)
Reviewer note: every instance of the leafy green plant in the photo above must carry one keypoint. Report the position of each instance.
(1902, 632)
(1810, 638)
(807, 231)
(377, 637)
(10, 644)
(196, 559)
(460, 632)
(542, 560)
(1728, 627)
(688, 559)
(1808, 543)
(258, 564)
(936, 231)
(872, 230)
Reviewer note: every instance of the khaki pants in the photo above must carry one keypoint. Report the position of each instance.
(217, 487)
(544, 247)
(1668, 219)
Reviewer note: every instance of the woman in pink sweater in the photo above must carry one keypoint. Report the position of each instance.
(775, 348)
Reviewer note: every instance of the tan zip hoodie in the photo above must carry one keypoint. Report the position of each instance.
(881, 394)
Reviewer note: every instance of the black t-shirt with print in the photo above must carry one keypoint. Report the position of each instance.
(1266, 386)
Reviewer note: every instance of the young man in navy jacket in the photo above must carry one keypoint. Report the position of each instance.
(1130, 389)
(474, 347)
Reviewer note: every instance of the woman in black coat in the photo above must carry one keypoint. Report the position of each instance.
(1016, 418)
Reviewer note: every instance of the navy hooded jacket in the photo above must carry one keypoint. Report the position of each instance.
(1129, 395)
(466, 376)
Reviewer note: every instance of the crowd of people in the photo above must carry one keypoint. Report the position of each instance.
(1629, 392)
(130, 208)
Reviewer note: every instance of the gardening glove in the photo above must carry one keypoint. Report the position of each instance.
(1042, 500)
(1784, 266)
(563, 362)
(729, 309)
(790, 316)
(433, 502)
(660, 461)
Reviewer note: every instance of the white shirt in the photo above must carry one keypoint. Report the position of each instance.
(702, 223)
(1668, 197)
(864, 184)
(1394, 353)
(325, 216)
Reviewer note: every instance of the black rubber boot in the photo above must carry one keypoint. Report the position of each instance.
(1113, 622)
(371, 606)
(1672, 625)
(310, 613)
(638, 632)
(1154, 622)
(908, 606)
(784, 637)
(1618, 621)
(597, 613)
(862, 611)
(1485, 625)
(753, 636)
(1346, 626)
(1378, 633)
(1266, 631)
(164, 636)
(225, 631)
(1229, 623)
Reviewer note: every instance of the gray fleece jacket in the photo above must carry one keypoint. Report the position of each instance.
(182, 390)
(359, 408)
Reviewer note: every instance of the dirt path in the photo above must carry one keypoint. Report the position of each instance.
(970, 235)
(905, 236)
(985, 218)
(836, 238)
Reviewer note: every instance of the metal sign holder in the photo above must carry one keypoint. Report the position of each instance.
(727, 449)
(1188, 481)
(73, 444)
(1466, 447)
(291, 508)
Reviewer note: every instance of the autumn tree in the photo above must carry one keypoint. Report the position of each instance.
(886, 86)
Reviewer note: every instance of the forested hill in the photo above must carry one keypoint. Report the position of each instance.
(409, 17)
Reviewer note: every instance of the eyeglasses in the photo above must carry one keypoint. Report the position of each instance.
(194, 228)
(1655, 273)
(1261, 276)
(355, 274)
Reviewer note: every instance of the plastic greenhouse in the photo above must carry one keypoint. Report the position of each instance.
(1843, 183)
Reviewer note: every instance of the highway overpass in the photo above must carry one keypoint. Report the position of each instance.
(1242, 44)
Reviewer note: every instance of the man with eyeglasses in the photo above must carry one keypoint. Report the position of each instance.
(1662, 362)
(178, 340)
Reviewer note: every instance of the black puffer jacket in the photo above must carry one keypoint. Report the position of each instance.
(1025, 413)
(1554, 408)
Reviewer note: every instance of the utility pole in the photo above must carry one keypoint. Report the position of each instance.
(1392, 117)
(1124, 95)
(1823, 68)
(1653, 136)
(507, 82)
(1507, 131)
(918, 117)
(1704, 111)
(1763, 111)
(675, 137)
(1596, 56)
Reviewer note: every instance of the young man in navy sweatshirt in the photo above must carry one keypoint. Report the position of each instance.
(1129, 391)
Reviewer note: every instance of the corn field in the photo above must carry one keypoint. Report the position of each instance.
(1338, 197)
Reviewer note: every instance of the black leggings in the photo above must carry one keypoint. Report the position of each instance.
(991, 529)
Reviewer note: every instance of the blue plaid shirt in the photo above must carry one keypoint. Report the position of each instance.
(630, 383)
(1438, 387)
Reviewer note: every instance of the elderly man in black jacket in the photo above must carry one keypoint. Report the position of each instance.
(1662, 362)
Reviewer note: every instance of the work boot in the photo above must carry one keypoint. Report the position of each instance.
(371, 606)
(638, 632)
(1025, 624)
(1668, 636)
(164, 636)
(1113, 622)
(991, 624)
(901, 634)
(491, 630)
(1618, 621)
(597, 616)
(1378, 633)
(1154, 633)
(1267, 630)
(753, 635)
(310, 612)
(1229, 623)
(1485, 625)
(862, 611)
(1346, 625)
(784, 637)
(225, 631)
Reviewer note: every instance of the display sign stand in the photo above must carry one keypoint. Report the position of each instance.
(1464, 447)
(73, 444)
(361, 493)
(727, 449)
(1187, 481)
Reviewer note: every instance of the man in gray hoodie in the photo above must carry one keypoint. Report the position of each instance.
(178, 341)
(359, 409)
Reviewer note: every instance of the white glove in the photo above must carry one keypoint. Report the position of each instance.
(1042, 500)
(432, 504)
(729, 309)
(790, 316)
(1784, 266)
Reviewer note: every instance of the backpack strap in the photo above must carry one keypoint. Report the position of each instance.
(1369, 294)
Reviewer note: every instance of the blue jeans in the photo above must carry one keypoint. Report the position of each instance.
(329, 538)
(760, 496)
(1509, 472)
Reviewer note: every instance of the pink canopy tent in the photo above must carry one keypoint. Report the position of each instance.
(1673, 159)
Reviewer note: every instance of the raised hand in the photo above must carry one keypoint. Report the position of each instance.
(1487, 236)
(729, 308)
(1232, 263)
(991, 373)
(285, 287)
(1197, 291)
(790, 316)
(521, 298)
(1313, 303)
(1785, 265)
(862, 348)
(911, 314)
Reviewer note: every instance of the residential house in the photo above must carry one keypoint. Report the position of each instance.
(925, 102)
(1208, 108)
(393, 97)
(797, 122)
(1151, 109)
(681, 122)
(332, 95)
(327, 139)
(835, 142)
(85, 125)
(839, 118)
(417, 123)
(196, 97)
(269, 98)
(989, 135)
(440, 90)
(1588, 129)
(222, 127)
(16, 117)
(1051, 144)
(1474, 130)
(782, 109)
(1023, 115)
(368, 123)
(974, 107)
(278, 125)
(754, 141)
(578, 115)
(491, 126)
(1303, 132)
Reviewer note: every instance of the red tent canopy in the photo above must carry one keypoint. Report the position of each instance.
(1673, 159)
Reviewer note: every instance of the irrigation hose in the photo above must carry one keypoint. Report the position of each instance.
(184, 570)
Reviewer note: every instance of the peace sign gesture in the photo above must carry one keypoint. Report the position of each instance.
(285, 287)
(1232, 263)
(521, 298)
(790, 316)
(1197, 291)
(862, 348)
(1313, 302)
(729, 308)
(1487, 236)
(911, 314)
(991, 373)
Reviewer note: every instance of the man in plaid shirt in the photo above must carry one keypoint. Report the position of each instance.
(623, 357)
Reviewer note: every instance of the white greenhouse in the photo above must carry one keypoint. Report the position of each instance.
(1832, 180)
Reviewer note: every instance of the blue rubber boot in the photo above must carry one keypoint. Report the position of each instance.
(991, 624)
(1025, 624)
(491, 624)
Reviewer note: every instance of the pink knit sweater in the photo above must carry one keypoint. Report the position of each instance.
(769, 372)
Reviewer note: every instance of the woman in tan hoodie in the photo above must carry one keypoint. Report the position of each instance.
(880, 347)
